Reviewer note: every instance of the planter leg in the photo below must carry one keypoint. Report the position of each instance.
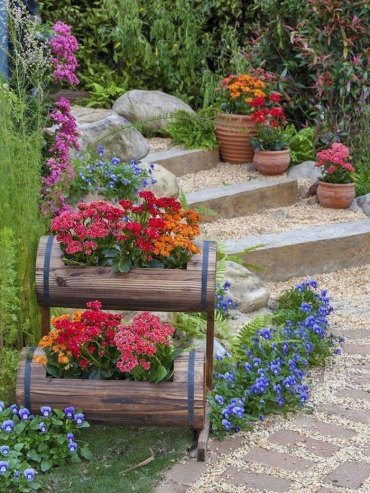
(203, 438)
(45, 320)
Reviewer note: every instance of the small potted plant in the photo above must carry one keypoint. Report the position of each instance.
(234, 125)
(336, 188)
(272, 155)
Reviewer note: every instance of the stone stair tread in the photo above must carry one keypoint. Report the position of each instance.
(297, 236)
(236, 188)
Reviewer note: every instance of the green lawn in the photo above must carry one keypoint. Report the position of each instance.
(116, 449)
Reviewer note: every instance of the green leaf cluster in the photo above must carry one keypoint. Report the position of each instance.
(193, 130)
(301, 144)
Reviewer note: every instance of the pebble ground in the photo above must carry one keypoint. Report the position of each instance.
(323, 449)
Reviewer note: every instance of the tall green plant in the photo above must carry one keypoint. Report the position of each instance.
(360, 149)
(23, 117)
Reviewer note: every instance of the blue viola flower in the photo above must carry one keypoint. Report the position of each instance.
(14, 408)
(46, 411)
(248, 366)
(42, 427)
(8, 426)
(2, 406)
(69, 412)
(226, 424)
(100, 150)
(70, 437)
(4, 466)
(24, 414)
(4, 450)
(79, 419)
(72, 447)
(115, 160)
(29, 474)
(219, 399)
(238, 411)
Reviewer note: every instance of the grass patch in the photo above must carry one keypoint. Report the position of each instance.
(116, 449)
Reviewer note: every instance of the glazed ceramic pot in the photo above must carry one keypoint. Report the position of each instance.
(336, 195)
(272, 163)
(233, 135)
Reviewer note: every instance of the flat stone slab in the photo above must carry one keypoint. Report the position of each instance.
(308, 251)
(182, 162)
(259, 481)
(245, 199)
(278, 459)
(349, 475)
(294, 440)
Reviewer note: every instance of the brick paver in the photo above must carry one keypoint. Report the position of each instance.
(362, 349)
(309, 424)
(354, 394)
(256, 480)
(356, 415)
(277, 459)
(294, 439)
(349, 475)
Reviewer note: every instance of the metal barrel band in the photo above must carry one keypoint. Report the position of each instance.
(191, 370)
(49, 246)
(27, 378)
(205, 260)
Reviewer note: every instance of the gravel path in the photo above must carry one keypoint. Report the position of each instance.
(325, 451)
(157, 144)
(297, 216)
(223, 174)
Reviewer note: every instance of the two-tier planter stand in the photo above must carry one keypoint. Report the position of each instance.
(181, 402)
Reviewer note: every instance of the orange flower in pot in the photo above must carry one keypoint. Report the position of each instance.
(272, 155)
(235, 126)
(336, 188)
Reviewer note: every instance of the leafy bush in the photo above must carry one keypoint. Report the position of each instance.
(360, 149)
(181, 47)
(320, 49)
(193, 130)
(269, 360)
(41, 441)
(301, 144)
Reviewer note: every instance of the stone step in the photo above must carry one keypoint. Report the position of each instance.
(244, 199)
(308, 251)
(181, 162)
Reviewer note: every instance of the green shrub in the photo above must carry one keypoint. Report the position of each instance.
(182, 47)
(301, 144)
(193, 130)
(319, 48)
(360, 150)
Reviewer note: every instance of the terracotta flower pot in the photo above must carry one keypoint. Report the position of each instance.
(233, 133)
(272, 163)
(336, 195)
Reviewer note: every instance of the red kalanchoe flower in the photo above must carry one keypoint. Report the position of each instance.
(275, 97)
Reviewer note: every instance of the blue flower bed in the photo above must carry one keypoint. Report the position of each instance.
(270, 359)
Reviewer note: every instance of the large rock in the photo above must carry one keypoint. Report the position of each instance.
(165, 182)
(364, 203)
(149, 107)
(247, 290)
(305, 171)
(115, 133)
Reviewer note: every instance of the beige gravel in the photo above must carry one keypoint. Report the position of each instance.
(219, 176)
(158, 144)
(297, 216)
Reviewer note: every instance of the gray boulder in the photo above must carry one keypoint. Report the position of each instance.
(114, 132)
(149, 107)
(247, 290)
(364, 203)
(165, 182)
(305, 171)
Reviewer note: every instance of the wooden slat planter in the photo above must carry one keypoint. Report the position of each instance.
(177, 403)
(191, 289)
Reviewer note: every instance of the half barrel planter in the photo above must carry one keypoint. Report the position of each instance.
(233, 135)
(180, 402)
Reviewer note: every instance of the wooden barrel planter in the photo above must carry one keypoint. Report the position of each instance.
(177, 403)
(191, 289)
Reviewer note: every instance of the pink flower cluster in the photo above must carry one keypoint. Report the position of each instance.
(79, 231)
(138, 342)
(63, 46)
(66, 135)
(334, 158)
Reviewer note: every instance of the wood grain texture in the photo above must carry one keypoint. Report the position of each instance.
(139, 289)
(119, 401)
